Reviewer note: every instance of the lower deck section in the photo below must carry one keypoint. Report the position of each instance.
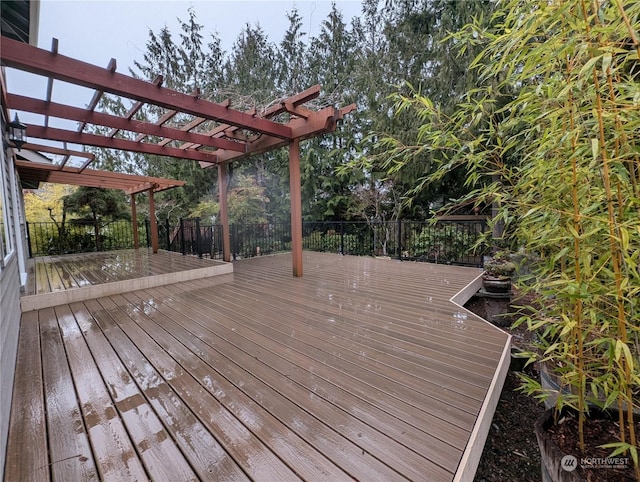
(56, 280)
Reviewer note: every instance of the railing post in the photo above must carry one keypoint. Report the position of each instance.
(167, 229)
(234, 240)
(183, 249)
(342, 238)
(147, 228)
(198, 238)
(28, 239)
(400, 239)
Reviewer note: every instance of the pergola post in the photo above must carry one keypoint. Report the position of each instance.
(224, 211)
(296, 206)
(153, 222)
(134, 222)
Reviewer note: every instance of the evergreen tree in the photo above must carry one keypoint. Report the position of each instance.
(420, 56)
(292, 58)
(186, 67)
(97, 207)
(250, 75)
(326, 191)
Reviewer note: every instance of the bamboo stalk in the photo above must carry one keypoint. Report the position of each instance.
(578, 272)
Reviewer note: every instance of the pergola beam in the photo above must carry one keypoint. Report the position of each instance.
(97, 95)
(318, 123)
(54, 49)
(234, 134)
(190, 125)
(56, 150)
(30, 59)
(162, 120)
(293, 101)
(129, 183)
(136, 106)
(115, 143)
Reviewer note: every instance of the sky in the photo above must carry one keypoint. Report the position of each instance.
(95, 31)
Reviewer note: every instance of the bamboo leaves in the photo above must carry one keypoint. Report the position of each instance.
(551, 140)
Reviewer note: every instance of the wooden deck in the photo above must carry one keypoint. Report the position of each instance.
(56, 280)
(362, 369)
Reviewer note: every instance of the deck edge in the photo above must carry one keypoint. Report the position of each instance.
(47, 300)
(471, 456)
(475, 445)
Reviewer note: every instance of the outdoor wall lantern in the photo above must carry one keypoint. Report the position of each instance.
(17, 132)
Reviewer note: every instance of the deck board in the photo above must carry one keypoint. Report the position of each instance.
(70, 452)
(120, 419)
(389, 342)
(198, 446)
(69, 278)
(259, 461)
(362, 369)
(301, 369)
(358, 370)
(41, 284)
(244, 345)
(29, 458)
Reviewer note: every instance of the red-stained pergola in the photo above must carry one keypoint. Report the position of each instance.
(214, 134)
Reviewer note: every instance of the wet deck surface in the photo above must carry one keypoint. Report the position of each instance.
(48, 274)
(361, 369)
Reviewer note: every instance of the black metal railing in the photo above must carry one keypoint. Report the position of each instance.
(48, 238)
(452, 240)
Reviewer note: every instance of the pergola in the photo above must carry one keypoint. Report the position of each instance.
(213, 134)
(37, 172)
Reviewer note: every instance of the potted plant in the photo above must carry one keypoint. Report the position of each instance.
(498, 273)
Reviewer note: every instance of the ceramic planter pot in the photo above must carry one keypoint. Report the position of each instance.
(494, 284)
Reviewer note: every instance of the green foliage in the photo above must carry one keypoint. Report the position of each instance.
(46, 202)
(96, 207)
(332, 242)
(550, 139)
(96, 204)
(51, 238)
(247, 203)
(445, 242)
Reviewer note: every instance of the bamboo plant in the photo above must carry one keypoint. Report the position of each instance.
(552, 140)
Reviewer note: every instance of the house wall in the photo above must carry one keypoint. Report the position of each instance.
(12, 277)
(9, 327)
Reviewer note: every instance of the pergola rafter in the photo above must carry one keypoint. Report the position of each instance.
(118, 123)
(129, 183)
(230, 135)
(96, 140)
